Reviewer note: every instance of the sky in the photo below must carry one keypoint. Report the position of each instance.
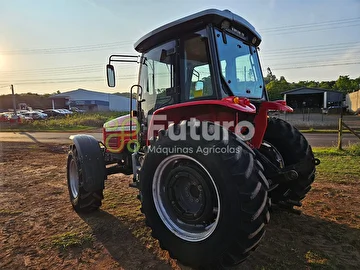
(62, 45)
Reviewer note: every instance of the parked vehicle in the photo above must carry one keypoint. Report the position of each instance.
(15, 118)
(65, 111)
(204, 184)
(77, 110)
(4, 117)
(38, 110)
(25, 118)
(36, 115)
(54, 113)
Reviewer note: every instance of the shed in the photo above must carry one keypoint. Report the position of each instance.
(305, 97)
(94, 101)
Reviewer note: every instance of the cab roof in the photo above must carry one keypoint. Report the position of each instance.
(195, 21)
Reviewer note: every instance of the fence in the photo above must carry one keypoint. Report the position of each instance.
(309, 119)
(342, 125)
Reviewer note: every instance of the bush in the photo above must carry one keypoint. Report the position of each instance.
(354, 149)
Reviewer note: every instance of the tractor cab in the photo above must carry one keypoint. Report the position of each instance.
(204, 60)
(206, 56)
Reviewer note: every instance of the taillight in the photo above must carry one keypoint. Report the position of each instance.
(113, 142)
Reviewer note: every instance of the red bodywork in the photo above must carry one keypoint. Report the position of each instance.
(116, 133)
(260, 121)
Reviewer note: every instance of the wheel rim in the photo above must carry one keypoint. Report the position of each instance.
(73, 178)
(186, 198)
(271, 152)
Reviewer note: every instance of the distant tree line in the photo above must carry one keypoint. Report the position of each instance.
(125, 94)
(276, 86)
(36, 101)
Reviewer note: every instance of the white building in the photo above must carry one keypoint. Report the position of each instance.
(93, 101)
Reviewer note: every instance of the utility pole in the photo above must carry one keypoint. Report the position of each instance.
(13, 98)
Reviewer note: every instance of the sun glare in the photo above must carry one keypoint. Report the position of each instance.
(2, 61)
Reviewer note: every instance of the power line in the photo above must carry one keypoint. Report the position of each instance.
(332, 51)
(54, 68)
(289, 31)
(97, 79)
(57, 70)
(342, 45)
(318, 49)
(312, 57)
(341, 21)
(278, 30)
(67, 80)
(52, 73)
(72, 49)
(291, 64)
(314, 66)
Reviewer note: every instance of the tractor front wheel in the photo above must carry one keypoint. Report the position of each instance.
(290, 147)
(81, 198)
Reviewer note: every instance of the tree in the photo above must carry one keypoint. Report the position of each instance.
(269, 77)
(327, 84)
(345, 84)
(312, 84)
(357, 80)
(276, 87)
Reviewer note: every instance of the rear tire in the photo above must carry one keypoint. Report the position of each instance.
(209, 211)
(293, 147)
(81, 199)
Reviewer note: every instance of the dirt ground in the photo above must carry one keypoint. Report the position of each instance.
(39, 229)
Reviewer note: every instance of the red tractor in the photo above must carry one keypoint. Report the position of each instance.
(206, 158)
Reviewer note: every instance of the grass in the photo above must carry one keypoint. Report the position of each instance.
(340, 166)
(74, 122)
(351, 150)
(71, 239)
(6, 212)
(316, 260)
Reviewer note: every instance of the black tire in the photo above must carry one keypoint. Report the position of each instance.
(82, 200)
(294, 148)
(171, 182)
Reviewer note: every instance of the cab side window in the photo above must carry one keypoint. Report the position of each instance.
(159, 70)
(197, 67)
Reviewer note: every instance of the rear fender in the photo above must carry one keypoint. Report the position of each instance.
(261, 119)
(92, 161)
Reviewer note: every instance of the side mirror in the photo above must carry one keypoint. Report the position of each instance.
(110, 73)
